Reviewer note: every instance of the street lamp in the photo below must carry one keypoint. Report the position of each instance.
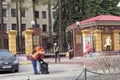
(77, 24)
(33, 23)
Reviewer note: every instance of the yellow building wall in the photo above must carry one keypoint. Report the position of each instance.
(98, 43)
(28, 42)
(12, 41)
(116, 39)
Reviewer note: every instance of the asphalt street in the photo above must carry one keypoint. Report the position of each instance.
(64, 70)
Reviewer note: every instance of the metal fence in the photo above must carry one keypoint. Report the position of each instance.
(87, 74)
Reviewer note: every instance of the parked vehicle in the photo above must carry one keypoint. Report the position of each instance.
(8, 61)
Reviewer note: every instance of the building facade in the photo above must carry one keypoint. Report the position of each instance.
(18, 16)
(96, 30)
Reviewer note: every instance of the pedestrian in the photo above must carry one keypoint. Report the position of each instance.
(56, 51)
(34, 57)
(108, 43)
(70, 50)
(88, 48)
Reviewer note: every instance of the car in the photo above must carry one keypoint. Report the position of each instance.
(8, 61)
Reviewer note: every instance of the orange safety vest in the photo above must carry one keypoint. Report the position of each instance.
(38, 51)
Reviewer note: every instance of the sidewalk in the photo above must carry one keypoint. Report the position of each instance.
(75, 60)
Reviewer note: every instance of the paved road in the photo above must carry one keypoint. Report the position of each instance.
(57, 72)
(65, 70)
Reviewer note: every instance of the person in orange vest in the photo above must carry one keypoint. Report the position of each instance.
(34, 57)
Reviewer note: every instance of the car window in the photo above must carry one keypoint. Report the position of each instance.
(5, 54)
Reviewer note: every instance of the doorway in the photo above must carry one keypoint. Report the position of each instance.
(104, 37)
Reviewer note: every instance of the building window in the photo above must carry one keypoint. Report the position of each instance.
(23, 27)
(13, 12)
(54, 14)
(44, 14)
(37, 14)
(5, 27)
(4, 12)
(14, 27)
(23, 13)
(12, 0)
(44, 28)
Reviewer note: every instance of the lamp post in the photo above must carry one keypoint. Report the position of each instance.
(33, 23)
(77, 24)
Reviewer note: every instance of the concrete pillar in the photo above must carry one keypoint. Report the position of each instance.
(98, 41)
(12, 40)
(116, 39)
(28, 42)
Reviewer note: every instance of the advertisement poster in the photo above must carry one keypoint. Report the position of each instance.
(78, 39)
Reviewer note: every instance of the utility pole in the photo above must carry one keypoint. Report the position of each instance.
(59, 24)
(2, 24)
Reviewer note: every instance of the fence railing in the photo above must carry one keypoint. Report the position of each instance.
(85, 77)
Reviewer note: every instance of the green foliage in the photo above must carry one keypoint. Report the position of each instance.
(74, 10)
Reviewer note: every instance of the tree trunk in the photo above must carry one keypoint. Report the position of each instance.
(17, 19)
(59, 24)
(50, 21)
(2, 25)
